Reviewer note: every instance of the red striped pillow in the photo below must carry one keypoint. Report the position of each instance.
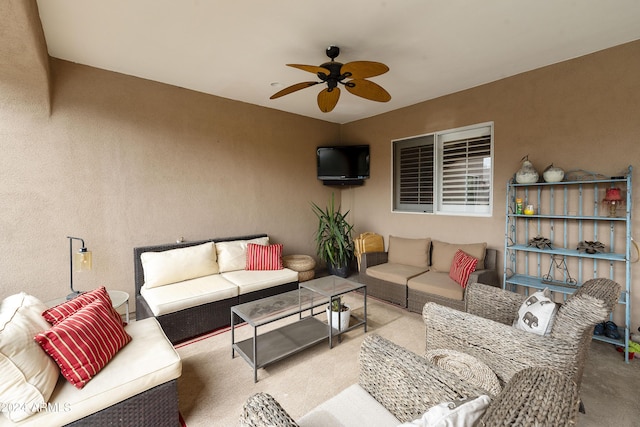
(264, 257)
(462, 266)
(67, 308)
(83, 343)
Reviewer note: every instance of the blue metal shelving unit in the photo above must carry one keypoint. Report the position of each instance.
(567, 213)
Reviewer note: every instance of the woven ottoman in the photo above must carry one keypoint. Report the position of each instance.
(303, 264)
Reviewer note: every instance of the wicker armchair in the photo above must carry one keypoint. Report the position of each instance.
(407, 385)
(485, 330)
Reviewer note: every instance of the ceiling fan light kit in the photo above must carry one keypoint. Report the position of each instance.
(352, 75)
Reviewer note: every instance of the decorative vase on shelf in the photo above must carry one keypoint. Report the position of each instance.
(553, 174)
(527, 174)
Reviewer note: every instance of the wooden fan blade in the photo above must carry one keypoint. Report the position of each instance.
(328, 100)
(363, 69)
(368, 90)
(310, 68)
(292, 88)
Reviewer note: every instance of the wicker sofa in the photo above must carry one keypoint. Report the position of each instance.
(413, 272)
(485, 330)
(194, 306)
(397, 386)
(137, 387)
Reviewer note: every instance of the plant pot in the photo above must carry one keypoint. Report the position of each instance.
(340, 271)
(340, 319)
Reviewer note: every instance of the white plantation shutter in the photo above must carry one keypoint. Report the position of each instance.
(414, 166)
(465, 171)
(452, 175)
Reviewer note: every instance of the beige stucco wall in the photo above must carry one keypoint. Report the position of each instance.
(124, 162)
(578, 114)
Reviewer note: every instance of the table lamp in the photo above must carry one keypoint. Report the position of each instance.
(613, 198)
(82, 259)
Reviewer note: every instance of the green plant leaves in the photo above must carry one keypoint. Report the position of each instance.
(334, 236)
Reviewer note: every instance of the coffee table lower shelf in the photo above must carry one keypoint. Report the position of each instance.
(279, 343)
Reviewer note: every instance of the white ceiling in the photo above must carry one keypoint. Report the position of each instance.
(238, 48)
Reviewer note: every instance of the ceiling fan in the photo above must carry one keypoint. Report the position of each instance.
(352, 75)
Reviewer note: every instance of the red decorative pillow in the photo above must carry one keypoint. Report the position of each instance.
(462, 266)
(264, 257)
(67, 308)
(83, 343)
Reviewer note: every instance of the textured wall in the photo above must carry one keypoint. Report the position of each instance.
(578, 114)
(124, 162)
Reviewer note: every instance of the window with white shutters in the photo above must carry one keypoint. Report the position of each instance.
(448, 172)
(414, 167)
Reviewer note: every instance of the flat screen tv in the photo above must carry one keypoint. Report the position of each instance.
(343, 163)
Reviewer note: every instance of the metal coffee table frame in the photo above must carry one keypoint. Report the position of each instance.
(274, 345)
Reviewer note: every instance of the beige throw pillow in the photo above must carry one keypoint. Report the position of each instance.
(442, 254)
(177, 265)
(413, 252)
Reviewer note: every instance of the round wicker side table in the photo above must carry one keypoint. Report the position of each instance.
(303, 264)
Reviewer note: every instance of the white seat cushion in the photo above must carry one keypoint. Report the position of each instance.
(394, 273)
(147, 361)
(256, 280)
(353, 406)
(190, 293)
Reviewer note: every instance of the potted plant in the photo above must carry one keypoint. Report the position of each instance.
(334, 238)
(340, 314)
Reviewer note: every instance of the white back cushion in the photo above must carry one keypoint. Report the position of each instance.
(232, 255)
(28, 375)
(177, 265)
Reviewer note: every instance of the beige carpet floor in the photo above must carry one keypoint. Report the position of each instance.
(213, 386)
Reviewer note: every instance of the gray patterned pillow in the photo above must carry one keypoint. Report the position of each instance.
(537, 313)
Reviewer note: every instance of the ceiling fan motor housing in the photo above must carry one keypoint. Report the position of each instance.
(334, 74)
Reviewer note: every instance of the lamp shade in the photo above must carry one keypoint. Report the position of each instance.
(613, 194)
(82, 260)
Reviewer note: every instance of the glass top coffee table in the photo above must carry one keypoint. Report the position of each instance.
(276, 344)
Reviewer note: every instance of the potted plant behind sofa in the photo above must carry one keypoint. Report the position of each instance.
(334, 238)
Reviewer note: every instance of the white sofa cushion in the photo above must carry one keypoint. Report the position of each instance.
(176, 265)
(353, 406)
(233, 255)
(27, 374)
(453, 414)
(394, 273)
(255, 280)
(190, 293)
(147, 361)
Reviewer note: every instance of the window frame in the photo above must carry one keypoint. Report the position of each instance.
(438, 141)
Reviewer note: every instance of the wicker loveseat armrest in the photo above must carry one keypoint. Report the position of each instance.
(262, 410)
(535, 397)
(487, 277)
(406, 384)
(369, 259)
(493, 303)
